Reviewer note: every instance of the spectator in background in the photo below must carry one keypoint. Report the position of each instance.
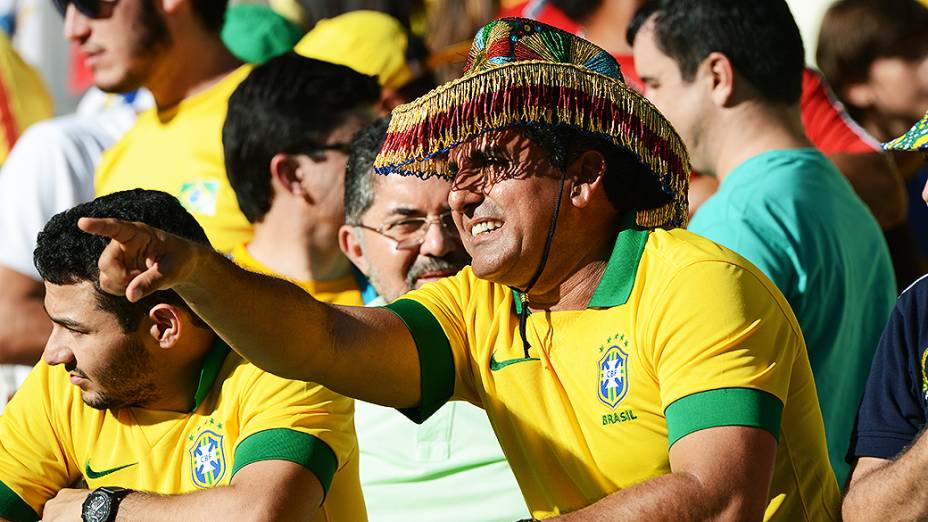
(728, 75)
(377, 44)
(875, 56)
(174, 50)
(889, 449)
(286, 139)
(144, 396)
(450, 467)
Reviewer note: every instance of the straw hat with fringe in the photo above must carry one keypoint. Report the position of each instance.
(522, 72)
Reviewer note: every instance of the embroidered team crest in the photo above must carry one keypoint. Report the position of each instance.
(925, 374)
(200, 196)
(613, 376)
(207, 460)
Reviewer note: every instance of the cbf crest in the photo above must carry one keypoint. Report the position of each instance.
(613, 376)
(207, 459)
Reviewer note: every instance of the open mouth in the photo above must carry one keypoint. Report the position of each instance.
(485, 227)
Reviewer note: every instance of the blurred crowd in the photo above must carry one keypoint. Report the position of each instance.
(676, 273)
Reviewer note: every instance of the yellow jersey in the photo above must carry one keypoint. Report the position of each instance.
(50, 439)
(680, 335)
(342, 291)
(24, 100)
(179, 151)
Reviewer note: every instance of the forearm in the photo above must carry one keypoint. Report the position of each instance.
(878, 182)
(896, 490)
(222, 503)
(364, 353)
(25, 327)
(677, 496)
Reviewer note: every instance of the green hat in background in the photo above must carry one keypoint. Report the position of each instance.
(256, 33)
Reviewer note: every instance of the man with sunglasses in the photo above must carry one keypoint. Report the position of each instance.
(174, 49)
(400, 233)
(286, 139)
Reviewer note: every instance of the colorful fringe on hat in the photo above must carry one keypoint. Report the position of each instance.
(915, 139)
(522, 72)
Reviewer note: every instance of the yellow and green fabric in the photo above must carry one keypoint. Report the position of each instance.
(915, 139)
(49, 439)
(178, 150)
(680, 335)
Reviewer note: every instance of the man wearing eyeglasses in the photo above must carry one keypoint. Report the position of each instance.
(286, 138)
(399, 232)
(175, 50)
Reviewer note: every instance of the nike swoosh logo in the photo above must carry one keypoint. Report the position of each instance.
(496, 366)
(93, 475)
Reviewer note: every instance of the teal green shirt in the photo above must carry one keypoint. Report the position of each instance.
(792, 214)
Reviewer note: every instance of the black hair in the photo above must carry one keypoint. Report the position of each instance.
(577, 10)
(66, 255)
(287, 105)
(359, 173)
(212, 13)
(629, 184)
(759, 37)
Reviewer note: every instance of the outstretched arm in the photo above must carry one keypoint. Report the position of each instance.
(268, 490)
(365, 353)
(882, 489)
(26, 326)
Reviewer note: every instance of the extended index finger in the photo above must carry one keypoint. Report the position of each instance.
(118, 229)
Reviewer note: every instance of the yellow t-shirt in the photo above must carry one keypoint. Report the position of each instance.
(179, 151)
(49, 439)
(24, 100)
(681, 334)
(342, 291)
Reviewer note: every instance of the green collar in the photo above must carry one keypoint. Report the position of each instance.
(621, 269)
(212, 363)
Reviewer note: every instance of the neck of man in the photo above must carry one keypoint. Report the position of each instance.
(181, 371)
(568, 282)
(751, 128)
(300, 249)
(606, 27)
(196, 61)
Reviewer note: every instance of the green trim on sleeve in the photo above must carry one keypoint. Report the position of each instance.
(290, 445)
(724, 407)
(15, 508)
(436, 363)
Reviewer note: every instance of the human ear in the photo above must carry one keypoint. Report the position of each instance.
(586, 173)
(859, 95)
(287, 174)
(167, 325)
(350, 244)
(719, 75)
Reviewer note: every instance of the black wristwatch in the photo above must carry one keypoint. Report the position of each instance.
(102, 503)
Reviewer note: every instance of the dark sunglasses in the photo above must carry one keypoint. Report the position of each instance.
(88, 8)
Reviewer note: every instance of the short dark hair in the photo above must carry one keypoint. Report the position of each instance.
(577, 10)
(629, 184)
(285, 106)
(66, 255)
(359, 174)
(212, 13)
(759, 37)
(855, 33)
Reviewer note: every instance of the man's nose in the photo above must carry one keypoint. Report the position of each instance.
(76, 26)
(56, 349)
(439, 241)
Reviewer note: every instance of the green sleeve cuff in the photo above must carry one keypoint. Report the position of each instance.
(290, 445)
(14, 508)
(436, 364)
(724, 407)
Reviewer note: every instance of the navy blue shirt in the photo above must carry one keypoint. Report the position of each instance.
(895, 402)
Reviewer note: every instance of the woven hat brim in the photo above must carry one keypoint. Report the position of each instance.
(914, 140)
(540, 92)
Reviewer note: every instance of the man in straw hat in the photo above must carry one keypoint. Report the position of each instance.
(888, 450)
(593, 330)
